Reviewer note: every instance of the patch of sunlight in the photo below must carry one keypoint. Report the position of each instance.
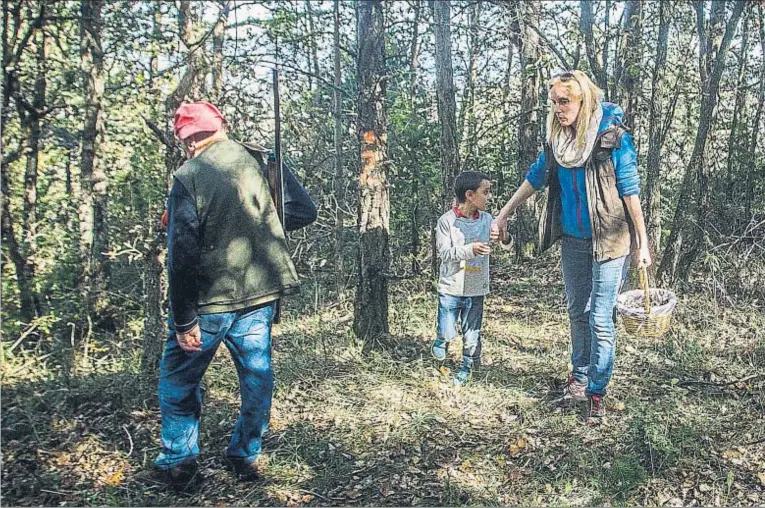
(290, 471)
(84, 462)
(569, 493)
(481, 477)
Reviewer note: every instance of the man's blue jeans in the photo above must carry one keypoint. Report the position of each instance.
(247, 334)
(591, 291)
(469, 311)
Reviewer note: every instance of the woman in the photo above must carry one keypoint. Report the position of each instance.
(590, 168)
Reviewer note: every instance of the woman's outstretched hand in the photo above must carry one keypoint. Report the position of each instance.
(494, 231)
(501, 224)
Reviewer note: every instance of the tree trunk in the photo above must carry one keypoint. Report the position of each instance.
(371, 316)
(528, 123)
(314, 64)
(655, 133)
(26, 298)
(29, 147)
(752, 174)
(219, 37)
(695, 175)
(733, 142)
(92, 210)
(31, 121)
(606, 51)
(500, 186)
(417, 182)
(337, 160)
(597, 69)
(466, 128)
(450, 159)
(630, 78)
(188, 28)
(154, 331)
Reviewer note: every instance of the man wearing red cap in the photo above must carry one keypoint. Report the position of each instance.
(228, 264)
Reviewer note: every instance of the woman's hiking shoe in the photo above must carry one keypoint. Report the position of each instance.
(574, 390)
(182, 476)
(244, 469)
(597, 409)
(462, 377)
(439, 349)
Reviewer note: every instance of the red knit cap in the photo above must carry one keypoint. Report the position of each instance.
(196, 117)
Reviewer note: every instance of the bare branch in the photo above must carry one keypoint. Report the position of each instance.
(158, 132)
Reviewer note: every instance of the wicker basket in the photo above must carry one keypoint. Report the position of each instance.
(646, 312)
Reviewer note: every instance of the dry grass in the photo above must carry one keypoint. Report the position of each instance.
(388, 428)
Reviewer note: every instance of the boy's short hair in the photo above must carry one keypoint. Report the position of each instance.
(468, 180)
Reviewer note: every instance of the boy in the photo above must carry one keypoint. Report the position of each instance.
(462, 239)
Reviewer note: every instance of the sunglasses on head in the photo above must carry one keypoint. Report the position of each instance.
(568, 76)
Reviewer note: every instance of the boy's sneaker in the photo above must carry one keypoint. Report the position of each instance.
(439, 349)
(597, 409)
(462, 377)
(574, 390)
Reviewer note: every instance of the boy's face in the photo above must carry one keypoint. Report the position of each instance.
(481, 197)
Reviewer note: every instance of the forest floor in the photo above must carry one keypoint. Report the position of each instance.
(686, 421)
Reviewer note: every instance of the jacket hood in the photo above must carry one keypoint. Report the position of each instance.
(613, 114)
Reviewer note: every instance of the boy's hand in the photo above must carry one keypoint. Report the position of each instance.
(494, 231)
(481, 249)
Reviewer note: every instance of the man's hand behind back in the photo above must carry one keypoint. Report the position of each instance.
(190, 341)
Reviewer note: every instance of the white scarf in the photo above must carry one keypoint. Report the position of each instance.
(565, 148)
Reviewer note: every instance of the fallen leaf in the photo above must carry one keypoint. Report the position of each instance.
(115, 478)
(516, 448)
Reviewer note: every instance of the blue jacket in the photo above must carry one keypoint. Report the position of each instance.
(575, 216)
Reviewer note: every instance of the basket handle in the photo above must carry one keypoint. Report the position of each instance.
(644, 283)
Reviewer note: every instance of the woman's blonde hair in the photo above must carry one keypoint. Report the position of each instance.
(580, 87)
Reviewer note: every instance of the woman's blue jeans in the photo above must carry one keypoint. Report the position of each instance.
(247, 334)
(591, 291)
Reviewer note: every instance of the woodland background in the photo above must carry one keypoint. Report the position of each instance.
(382, 104)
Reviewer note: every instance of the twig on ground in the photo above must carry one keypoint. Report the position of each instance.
(23, 336)
(305, 491)
(719, 385)
(130, 452)
(59, 492)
